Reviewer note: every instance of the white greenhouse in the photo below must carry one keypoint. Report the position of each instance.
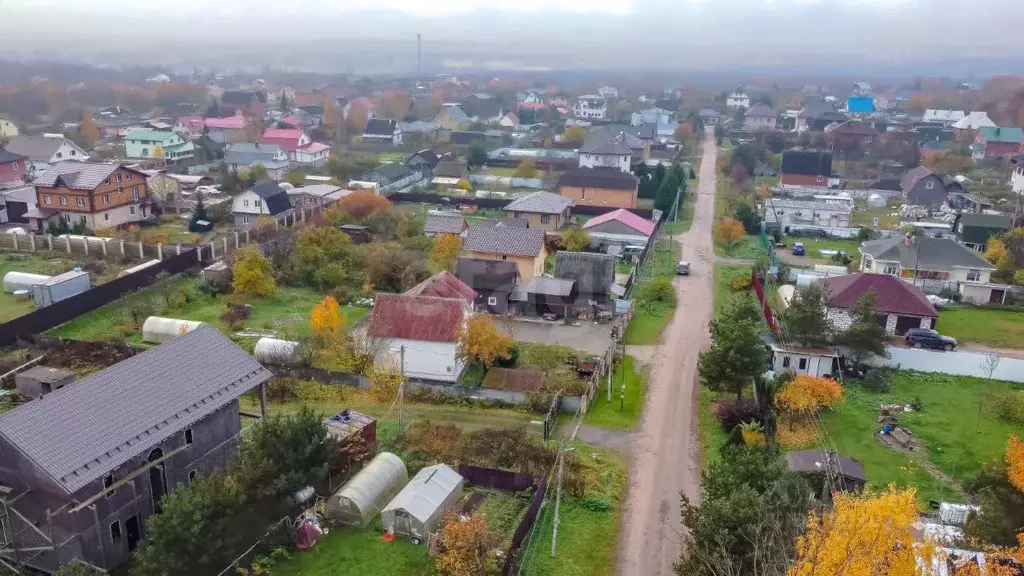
(275, 351)
(157, 330)
(876, 201)
(420, 506)
(14, 281)
(362, 497)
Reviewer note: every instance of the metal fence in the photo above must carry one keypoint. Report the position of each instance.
(524, 528)
(43, 319)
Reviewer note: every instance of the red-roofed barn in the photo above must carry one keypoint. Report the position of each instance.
(423, 329)
(300, 147)
(900, 306)
(620, 222)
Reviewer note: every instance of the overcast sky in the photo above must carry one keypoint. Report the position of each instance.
(590, 33)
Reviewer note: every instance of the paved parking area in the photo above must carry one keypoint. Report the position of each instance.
(588, 337)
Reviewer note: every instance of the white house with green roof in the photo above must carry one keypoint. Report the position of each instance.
(144, 144)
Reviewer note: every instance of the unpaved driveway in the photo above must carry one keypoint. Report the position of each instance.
(666, 449)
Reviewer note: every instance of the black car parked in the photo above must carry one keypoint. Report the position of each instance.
(925, 338)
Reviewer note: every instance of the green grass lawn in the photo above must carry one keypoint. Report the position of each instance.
(813, 245)
(287, 311)
(712, 438)
(607, 414)
(948, 430)
(748, 248)
(503, 510)
(391, 157)
(46, 263)
(864, 216)
(724, 273)
(685, 220)
(588, 536)
(647, 324)
(351, 552)
(988, 326)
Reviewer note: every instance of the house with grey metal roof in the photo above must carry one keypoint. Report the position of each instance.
(925, 258)
(542, 210)
(788, 213)
(313, 195)
(594, 275)
(445, 224)
(44, 151)
(83, 467)
(760, 117)
(605, 150)
(242, 155)
(524, 246)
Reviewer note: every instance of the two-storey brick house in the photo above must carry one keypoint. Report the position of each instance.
(98, 195)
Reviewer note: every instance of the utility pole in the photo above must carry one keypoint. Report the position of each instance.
(401, 387)
(558, 500)
(622, 389)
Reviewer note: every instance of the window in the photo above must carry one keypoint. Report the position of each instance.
(258, 203)
(63, 200)
(929, 185)
(583, 193)
(504, 257)
(188, 436)
(803, 363)
(545, 218)
(106, 216)
(66, 217)
(47, 199)
(80, 202)
(118, 176)
(492, 301)
(131, 210)
(72, 152)
(135, 192)
(245, 203)
(106, 198)
(245, 219)
(115, 531)
(15, 165)
(60, 154)
(819, 178)
(192, 475)
(891, 269)
(785, 361)
(145, 152)
(128, 176)
(974, 275)
(108, 481)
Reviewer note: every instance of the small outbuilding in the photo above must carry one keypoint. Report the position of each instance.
(157, 330)
(848, 474)
(362, 497)
(420, 506)
(818, 362)
(41, 380)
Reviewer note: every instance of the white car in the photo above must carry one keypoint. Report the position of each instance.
(683, 268)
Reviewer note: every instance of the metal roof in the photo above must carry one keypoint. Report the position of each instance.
(78, 175)
(444, 224)
(593, 273)
(86, 430)
(501, 240)
(925, 253)
(426, 492)
(540, 202)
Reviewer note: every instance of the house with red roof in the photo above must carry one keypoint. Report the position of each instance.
(190, 127)
(301, 149)
(611, 225)
(899, 305)
(226, 129)
(419, 333)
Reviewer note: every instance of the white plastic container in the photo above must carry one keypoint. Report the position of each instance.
(275, 351)
(14, 281)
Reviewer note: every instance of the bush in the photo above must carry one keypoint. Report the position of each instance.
(169, 219)
(1009, 406)
(510, 359)
(917, 405)
(739, 283)
(596, 504)
(658, 292)
(179, 298)
(878, 379)
(732, 413)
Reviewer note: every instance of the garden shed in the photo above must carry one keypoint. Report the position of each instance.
(420, 506)
(362, 497)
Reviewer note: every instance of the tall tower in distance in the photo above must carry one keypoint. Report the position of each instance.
(419, 55)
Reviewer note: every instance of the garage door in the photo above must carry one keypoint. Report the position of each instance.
(904, 323)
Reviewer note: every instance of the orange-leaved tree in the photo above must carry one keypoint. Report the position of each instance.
(863, 535)
(446, 251)
(480, 340)
(1015, 462)
(807, 395)
(526, 169)
(362, 204)
(728, 231)
(326, 320)
(573, 134)
(89, 130)
(467, 547)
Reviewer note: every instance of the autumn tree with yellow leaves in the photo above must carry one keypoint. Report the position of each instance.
(326, 320)
(467, 547)
(253, 273)
(728, 232)
(482, 341)
(807, 395)
(445, 252)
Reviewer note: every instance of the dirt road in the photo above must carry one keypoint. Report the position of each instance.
(665, 450)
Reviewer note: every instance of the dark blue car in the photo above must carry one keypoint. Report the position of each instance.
(798, 249)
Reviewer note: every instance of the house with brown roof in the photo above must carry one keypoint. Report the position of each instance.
(140, 428)
(419, 333)
(524, 246)
(93, 195)
(899, 305)
(445, 224)
(599, 187)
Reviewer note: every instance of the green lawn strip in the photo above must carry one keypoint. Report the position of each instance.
(48, 264)
(588, 537)
(352, 552)
(813, 245)
(287, 311)
(723, 274)
(608, 414)
(748, 248)
(685, 220)
(504, 511)
(989, 326)
(646, 325)
(864, 216)
(712, 438)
